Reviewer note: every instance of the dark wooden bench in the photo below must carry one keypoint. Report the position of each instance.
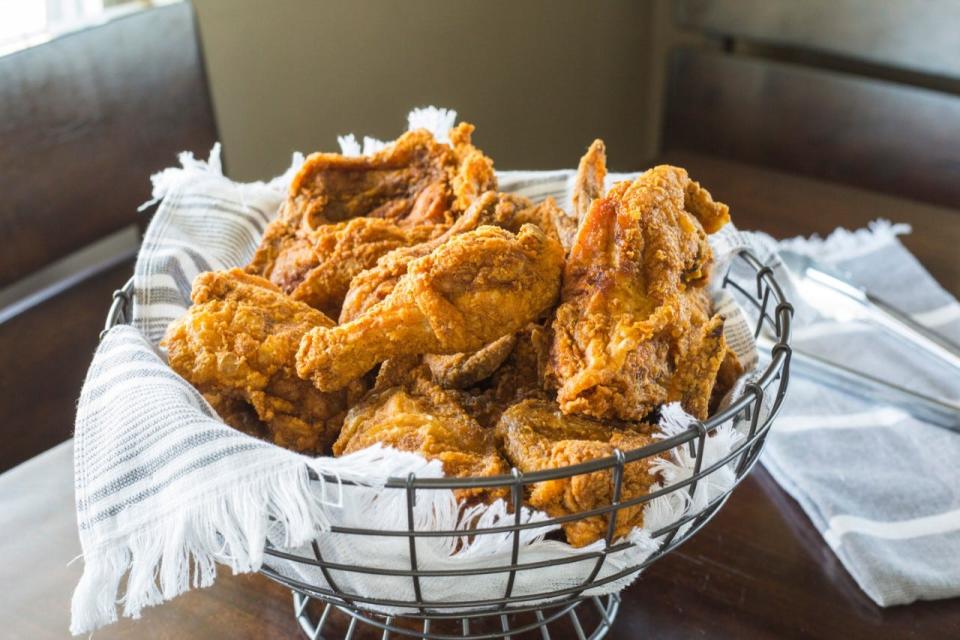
(863, 96)
(84, 120)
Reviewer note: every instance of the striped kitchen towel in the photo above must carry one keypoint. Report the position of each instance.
(881, 486)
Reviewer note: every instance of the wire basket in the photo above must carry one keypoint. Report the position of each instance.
(322, 610)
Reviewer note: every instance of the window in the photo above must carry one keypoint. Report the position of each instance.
(24, 23)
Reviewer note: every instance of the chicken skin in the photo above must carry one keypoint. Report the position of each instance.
(414, 181)
(462, 370)
(237, 344)
(498, 209)
(469, 291)
(424, 418)
(534, 435)
(633, 329)
(587, 187)
(344, 249)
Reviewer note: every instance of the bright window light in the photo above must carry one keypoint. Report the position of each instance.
(27, 22)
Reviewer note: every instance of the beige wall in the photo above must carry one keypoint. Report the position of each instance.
(540, 79)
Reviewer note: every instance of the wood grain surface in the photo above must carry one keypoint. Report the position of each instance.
(44, 355)
(84, 120)
(919, 35)
(855, 131)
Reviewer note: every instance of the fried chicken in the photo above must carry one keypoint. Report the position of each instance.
(469, 291)
(587, 187)
(534, 435)
(633, 327)
(498, 209)
(462, 370)
(423, 418)
(237, 344)
(414, 181)
(345, 249)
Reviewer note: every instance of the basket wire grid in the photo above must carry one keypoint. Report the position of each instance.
(512, 615)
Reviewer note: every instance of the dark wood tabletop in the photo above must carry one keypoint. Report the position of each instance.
(759, 569)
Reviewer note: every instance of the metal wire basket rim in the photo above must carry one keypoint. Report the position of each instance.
(697, 430)
(597, 511)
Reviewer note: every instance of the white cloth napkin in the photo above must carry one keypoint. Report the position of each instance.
(881, 486)
(164, 489)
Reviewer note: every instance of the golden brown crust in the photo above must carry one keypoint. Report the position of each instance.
(424, 418)
(632, 309)
(535, 435)
(343, 250)
(587, 187)
(462, 370)
(237, 345)
(498, 209)
(415, 181)
(471, 290)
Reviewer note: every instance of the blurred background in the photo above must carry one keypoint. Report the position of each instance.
(802, 115)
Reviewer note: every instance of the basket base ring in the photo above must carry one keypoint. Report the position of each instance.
(588, 619)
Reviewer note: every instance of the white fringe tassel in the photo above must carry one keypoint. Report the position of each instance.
(842, 243)
(437, 121)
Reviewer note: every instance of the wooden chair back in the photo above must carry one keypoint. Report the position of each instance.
(84, 121)
(862, 93)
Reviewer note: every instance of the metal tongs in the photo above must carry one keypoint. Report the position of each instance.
(834, 295)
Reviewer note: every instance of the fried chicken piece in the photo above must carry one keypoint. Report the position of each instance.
(498, 209)
(631, 329)
(345, 249)
(462, 370)
(587, 187)
(727, 375)
(469, 291)
(519, 377)
(237, 346)
(423, 418)
(699, 353)
(534, 435)
(414, 181)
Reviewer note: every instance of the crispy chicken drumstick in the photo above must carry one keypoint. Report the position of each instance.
(471, 290)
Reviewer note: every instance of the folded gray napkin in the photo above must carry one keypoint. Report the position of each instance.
(881, 486)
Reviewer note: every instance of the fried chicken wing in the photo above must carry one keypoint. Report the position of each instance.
(498, 209)
(237, 346)
(469, 291)
(423, 418)
(414, 181)
(587, 187)
(535, 435)
(631, 330)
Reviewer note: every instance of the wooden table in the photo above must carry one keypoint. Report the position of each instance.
(758, 570)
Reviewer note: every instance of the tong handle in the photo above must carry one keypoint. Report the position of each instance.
(906, 327)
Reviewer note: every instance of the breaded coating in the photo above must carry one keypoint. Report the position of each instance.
(414, 181)
(498, 209)
(347, 248)
(469, 291)
(629, 332)
(462, 370)
(534, 435)
(423, 418)
(237, 346)
(587, 187)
